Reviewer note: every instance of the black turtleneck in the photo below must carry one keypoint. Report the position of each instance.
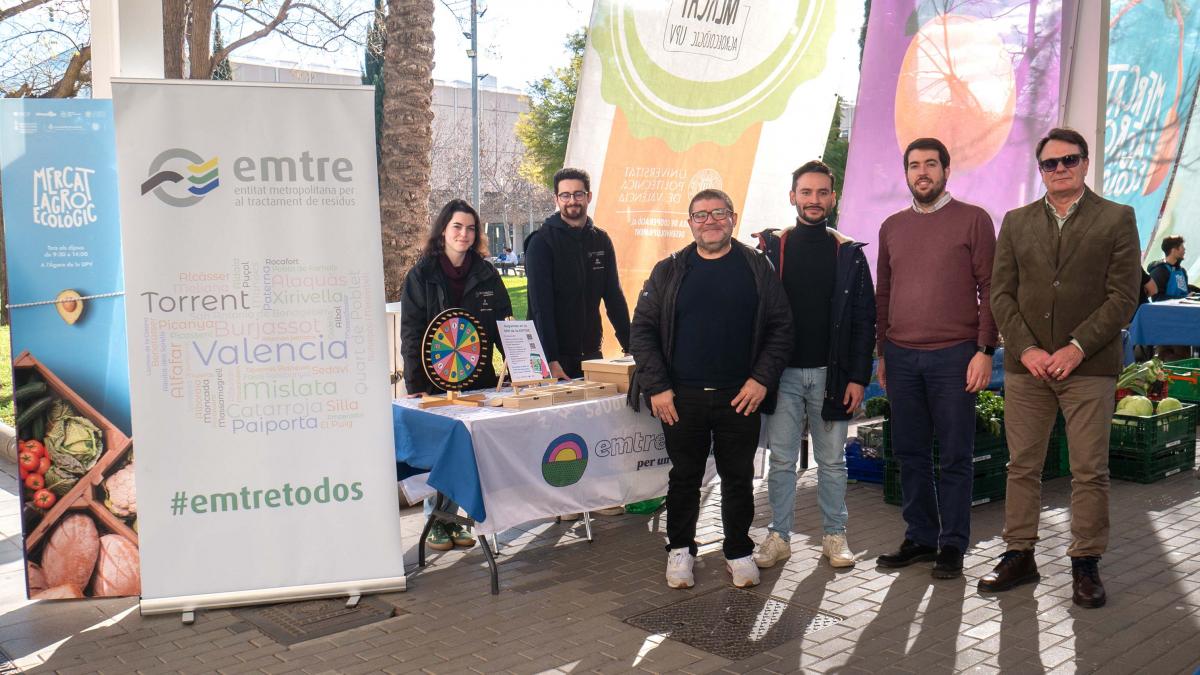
(809, 268)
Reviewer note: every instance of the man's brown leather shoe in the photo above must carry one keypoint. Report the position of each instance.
(1015, 568)
(1088, 590)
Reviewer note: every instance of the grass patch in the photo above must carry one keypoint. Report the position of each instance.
(518, 292)
(6, 402)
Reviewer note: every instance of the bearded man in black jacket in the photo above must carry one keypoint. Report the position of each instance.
(571, 267)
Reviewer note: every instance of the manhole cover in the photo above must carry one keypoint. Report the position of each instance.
(294, 622)
(733, 623)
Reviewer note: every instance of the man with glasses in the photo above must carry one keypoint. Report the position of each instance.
(711, 335)
(1065, 281)
(571, 267)
(936, 340)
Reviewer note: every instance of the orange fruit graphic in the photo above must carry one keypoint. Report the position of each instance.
(957, 84)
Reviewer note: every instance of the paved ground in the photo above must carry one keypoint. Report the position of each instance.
(563, 604)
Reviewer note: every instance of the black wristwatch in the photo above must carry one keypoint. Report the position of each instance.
(985, 349)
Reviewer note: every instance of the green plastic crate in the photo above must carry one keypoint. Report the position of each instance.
(1184, 379)
(1152, 469)
(989, 484)
(985, 444)
(1149, 435)
(871, 435)
(1058, 459)
(891, 483)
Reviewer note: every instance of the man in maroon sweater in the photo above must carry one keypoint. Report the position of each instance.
(936, 340)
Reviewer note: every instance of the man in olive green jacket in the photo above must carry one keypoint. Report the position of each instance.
(1064, 283)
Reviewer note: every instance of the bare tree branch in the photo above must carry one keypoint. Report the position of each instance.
(73, 77)
(261, 33)
(17, 9)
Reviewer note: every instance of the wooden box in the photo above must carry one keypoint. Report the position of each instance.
(598, 389)
(527, 401)
(567, 395)
(613, 371)
(620, 366)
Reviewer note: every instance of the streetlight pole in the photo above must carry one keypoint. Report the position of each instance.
(474, 54)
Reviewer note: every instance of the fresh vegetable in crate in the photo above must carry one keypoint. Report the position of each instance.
(120, 495)
(1141, 378)
(878, 406)
(73, 441)
(989, 413)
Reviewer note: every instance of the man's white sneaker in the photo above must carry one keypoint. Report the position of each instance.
(743, 570)
(772, 550)
(611, 511)
(679, 568)
(834, 547)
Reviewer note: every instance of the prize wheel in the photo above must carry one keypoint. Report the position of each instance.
(452, 350)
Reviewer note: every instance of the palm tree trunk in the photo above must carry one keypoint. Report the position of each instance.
(174, 20)
(200, 40)
(407, 137)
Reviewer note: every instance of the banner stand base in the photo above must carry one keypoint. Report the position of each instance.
(189, 604)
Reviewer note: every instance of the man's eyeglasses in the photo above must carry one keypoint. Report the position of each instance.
(1050, 165)
(717, 214)
(566, 196)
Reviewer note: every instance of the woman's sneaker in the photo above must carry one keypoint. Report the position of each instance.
(460, 536)
(743, 570)
(438, 539)
(679, 568)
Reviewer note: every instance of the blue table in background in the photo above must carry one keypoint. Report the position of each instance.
(1171, 322)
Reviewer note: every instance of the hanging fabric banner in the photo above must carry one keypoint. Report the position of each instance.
(679, 96)
(62, 242)
(258, 360)
(1153, 66)
(983, 77)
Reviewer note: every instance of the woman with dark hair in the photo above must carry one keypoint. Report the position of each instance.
(451, 272)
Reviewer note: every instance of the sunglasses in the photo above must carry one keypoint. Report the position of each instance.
(1050, 165)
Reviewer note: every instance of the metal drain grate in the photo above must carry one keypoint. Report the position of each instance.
(294, 622)
(733, 623)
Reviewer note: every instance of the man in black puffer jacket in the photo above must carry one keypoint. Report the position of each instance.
(829, 288)
(571, 266)
(711, 334)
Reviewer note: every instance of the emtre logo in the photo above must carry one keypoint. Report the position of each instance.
(565, 460)
(169, 169)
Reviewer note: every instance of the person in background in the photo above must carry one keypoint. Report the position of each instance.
(936, 337)
(1169, 274)
(571, 266)
(451, 272)
(711, 335)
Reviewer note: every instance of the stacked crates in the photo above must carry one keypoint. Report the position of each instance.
(1149, 449)
(1184, 380)
(990, 458)
(991, 464)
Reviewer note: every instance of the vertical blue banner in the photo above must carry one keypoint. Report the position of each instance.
(1153, 64)
(62, 233)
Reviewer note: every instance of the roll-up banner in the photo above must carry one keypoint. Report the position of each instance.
(62, 237)
(258, 358)
(678, 96)
(981, 76)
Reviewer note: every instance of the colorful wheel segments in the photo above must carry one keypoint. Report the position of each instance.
(454, 347)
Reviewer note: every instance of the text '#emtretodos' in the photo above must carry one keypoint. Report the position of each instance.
(252, 499)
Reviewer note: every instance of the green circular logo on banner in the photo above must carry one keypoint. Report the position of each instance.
(565, 460)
